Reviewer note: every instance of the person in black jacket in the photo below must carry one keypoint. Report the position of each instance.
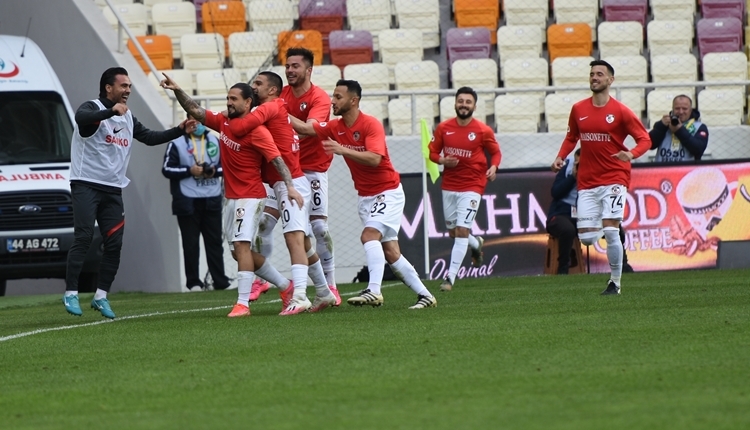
(192, 164)
(680, 135)
(561, 217)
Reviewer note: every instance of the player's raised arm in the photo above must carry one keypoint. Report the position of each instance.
(366, 158)
(258, 117)
(191, 106)
(302, 128)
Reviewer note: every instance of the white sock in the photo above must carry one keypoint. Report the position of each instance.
(473, 242)
(100, 294)
(460, 244)
(299, 276)
(375, 259)
(263, 243)
(614, 252)
(324, 248)
(244, 284)
(270, 274)
(319, 279)
(406, 272)
(69, 293)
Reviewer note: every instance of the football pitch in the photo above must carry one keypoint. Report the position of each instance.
(523, 353)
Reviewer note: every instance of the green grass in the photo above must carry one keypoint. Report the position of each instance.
(531, 352)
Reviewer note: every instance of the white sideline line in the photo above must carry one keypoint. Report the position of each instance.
(129, 317)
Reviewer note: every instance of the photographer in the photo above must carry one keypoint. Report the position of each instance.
(192, 165)
(679, 136)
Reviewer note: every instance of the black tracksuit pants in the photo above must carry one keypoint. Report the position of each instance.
(207, 223)
(92, 205)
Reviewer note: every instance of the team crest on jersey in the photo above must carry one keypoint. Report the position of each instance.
(356, 136)
(610, 119)
(302, 106)
(616, 189)
(473, 203)
(315, 184)
(472, 136)
(240, 212)
(380, 198)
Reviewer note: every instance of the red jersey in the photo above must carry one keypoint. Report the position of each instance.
(366, 134)
(274, 116)
(315, 104)
(467, 143)
(602, 132)
(241, 158)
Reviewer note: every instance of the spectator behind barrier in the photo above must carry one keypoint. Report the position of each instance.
(680, 135)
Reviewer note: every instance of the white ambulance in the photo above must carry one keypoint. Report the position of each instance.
(36, 125)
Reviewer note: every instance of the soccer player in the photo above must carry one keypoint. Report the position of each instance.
(601, 124)
(360, 139)
(311, 103)
(243, 186)
(294, 219)
(463, 141)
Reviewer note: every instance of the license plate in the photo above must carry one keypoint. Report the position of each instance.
(36, 244)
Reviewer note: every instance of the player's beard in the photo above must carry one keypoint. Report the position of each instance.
(340, 110)
(464, 115)
(232, 112)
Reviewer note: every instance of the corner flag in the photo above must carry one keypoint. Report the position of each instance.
(432, 168)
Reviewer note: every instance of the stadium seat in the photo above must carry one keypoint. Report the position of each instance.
(725, 66)
(202, 51)
(571, 72)
(630, 69)
(423, 15)
(478, 13)
(448, 109)
(251, 49)
(477, 74)
(150, 4)
(468, 43)
(372, 77)
(527, 72)
(272, 16)
(419, 75)
(669, 37)
(557, 109)
(400, 116)
(674, 68)
(569, 40)
(134, 15)
(159, 51)
(374, 107)
(224, 17)
(721, 107)
(517, 113)
(185, 79)
(576, 12)
(673, 10)
(216, 83)
(518, 41)
(400, 45)
(625, 10)
(527, 12)
(659, 102)
(174, 20)
(723, 9)
(719, 35)
(620, 38)
(310, 39)
(370, 15)
(324, 16)
(325, 77)
(351, 47)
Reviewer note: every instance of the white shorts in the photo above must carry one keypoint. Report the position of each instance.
(293, 217)
(383, 212)
(271, 201)
(460, 208)
(241, 218)
(319, 197)
(596, 204)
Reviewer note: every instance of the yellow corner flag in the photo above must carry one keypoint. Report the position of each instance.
(432, 168)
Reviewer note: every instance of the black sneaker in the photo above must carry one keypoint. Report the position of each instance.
(612, 289)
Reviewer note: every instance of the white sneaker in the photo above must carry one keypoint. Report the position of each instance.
(321, 303)
(297, 306)
(425, 302)
(365, 297)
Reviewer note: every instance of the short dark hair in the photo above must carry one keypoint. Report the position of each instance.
(108, 78)
(578, 152)
(247, 92)
(351, 86)
(306, 54)
(683, 96)
(467, 90)
(274, 79)
(609, 67)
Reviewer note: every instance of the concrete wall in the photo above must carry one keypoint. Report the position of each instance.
(80, 45)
